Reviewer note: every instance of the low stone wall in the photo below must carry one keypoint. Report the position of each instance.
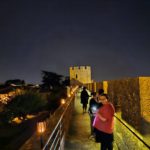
(125, 139)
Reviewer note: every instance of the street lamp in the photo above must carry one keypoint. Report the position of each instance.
(41, 127)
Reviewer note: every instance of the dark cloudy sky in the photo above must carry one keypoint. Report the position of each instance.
(112, 36)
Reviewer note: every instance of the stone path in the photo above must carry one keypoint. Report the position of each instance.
(79, 131)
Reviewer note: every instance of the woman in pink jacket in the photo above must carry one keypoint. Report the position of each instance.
(104, 123)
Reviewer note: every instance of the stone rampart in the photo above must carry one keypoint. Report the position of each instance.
(126, 94)
(144, 83)
(133, 96)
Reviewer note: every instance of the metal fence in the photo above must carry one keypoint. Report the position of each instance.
(57, 137)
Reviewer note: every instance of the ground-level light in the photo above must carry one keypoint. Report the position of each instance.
(63, 101)
(41, 127)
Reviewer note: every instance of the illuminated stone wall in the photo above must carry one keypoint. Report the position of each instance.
(145, 105)
(105, 86)
(81, 73)
(145, 97)
(99, 85)
(133, 95)
(126, 94)
(95, 86)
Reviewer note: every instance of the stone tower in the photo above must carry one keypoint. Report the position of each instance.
(81, 73)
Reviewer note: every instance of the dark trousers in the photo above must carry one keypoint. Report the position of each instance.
(84, 106)
(106, 146)
(91, 123)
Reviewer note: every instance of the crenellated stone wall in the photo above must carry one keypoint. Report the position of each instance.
(81, 73)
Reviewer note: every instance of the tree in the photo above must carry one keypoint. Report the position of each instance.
(54, 98)
(15, 81)
(51, 80)
(66, 81)
(27, 103)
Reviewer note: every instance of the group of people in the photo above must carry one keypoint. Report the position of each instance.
(101, 113)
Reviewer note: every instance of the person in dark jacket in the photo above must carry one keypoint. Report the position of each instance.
(93, 107)
(84, 99)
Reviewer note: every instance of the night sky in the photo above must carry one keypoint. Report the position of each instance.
(111, 36)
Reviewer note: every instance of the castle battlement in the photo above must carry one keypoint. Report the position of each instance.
(81, 73)
(80, 67)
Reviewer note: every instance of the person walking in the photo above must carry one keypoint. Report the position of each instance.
(104, 123)
(84, 99)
